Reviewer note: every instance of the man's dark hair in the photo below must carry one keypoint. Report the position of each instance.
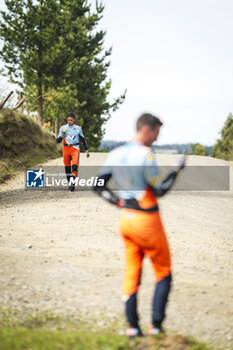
(72, 115)
(148, 119)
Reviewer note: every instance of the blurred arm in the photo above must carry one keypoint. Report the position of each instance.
(105, 192)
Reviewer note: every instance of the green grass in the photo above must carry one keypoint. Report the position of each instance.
(40, 339)
(11, 166)
(195, 345)
(23, 143)
(46, 330)
(22, 338)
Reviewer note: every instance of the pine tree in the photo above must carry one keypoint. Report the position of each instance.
(84, 86)
(54, 51)
(30, 43)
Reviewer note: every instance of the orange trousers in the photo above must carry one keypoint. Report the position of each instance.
(143, 235)
(68, 154)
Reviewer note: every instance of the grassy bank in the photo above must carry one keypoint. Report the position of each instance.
(22, 338)
(23, 143)
(45, 331)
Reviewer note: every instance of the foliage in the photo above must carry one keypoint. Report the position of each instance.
(200, 150)
(54, 52)
(23, 143)
(224, 146)
(108, 145)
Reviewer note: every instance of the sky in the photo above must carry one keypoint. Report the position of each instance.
(175, 58)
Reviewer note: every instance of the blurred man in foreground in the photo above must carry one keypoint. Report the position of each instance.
(135, 173)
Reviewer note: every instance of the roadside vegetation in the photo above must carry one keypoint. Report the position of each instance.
(23, 143)
(45, 331)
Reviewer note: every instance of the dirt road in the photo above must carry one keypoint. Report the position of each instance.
(61, 251)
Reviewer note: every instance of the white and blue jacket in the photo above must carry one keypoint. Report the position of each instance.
(73, 134)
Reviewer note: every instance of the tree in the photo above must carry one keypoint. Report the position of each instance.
(85, 82)
(200, 150)
(30, 44)
(192, 148)
(223, 148)
(53, 50)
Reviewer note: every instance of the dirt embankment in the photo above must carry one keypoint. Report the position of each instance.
(23, 143)
(61, 251)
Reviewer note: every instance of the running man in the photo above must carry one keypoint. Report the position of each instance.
(70, 134)
(135, 172)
